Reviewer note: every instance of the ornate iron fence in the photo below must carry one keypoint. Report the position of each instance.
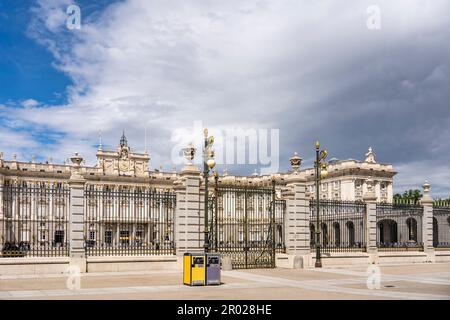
(342, 225)
(399, 227)
(280, 209)
(247, 225)
(129, 222)
(441, 225)
(35, 221)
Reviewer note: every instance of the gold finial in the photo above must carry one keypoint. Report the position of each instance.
(317, 145)
(205, 132)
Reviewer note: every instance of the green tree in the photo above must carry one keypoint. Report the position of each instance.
(409, 196)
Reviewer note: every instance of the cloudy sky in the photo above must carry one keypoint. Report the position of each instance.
(312, 69)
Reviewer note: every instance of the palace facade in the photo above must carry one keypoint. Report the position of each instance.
(127, 205)
(124, 169)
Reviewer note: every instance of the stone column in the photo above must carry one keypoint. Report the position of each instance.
(427, 222)
(371, 222)
(188, 214)
(297, 234)
(297, 216)
(296, 219)
(76, 216)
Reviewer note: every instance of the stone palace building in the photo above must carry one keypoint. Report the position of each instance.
(122, 210)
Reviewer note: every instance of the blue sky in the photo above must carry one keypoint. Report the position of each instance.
(26, 69)
(162, 65)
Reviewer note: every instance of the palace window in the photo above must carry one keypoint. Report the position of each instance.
(337, 184)
(42, 235)
(139, 233)
(59, 237)
(108, 237)
(124, 237)
(25, 233)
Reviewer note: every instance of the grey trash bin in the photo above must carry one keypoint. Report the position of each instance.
(212, 268)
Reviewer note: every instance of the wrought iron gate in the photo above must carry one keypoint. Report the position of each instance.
(247, 224)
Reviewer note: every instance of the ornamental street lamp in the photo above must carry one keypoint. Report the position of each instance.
(321, 172)
(208, 164)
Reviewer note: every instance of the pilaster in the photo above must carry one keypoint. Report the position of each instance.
(427, 223)
(370, 199)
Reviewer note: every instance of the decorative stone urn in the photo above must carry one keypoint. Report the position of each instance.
(426, 198)
(189, 153)
(76, 160)
(295, 161)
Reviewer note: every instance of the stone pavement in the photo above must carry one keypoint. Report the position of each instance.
(419, 281)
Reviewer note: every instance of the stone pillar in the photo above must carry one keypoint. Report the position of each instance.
(427, 222)
(76, 216)
(371, 222)
(188, 215)
(297, 235)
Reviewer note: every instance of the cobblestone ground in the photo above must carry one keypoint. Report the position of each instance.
(419, 281)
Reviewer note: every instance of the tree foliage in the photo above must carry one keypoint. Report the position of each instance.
(409, 196)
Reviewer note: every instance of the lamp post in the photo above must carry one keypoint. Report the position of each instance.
(208, 164)
(321, 172)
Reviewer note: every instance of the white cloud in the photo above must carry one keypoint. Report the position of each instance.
(16, 142)
(29, 103)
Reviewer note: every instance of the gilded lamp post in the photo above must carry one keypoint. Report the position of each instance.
(321, 172)
(208, 164)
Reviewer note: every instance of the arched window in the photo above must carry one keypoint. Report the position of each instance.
(435, 232)
(312, 235)
(387, 229)
(279, 239)
(412, 229)
(337, 234)
(324, 234)
(351, 233)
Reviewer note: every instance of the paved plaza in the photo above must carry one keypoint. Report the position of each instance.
(418, 281)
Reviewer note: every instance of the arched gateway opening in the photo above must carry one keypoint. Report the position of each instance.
(387, 230)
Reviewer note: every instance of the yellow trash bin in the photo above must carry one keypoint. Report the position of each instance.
(194, 271)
